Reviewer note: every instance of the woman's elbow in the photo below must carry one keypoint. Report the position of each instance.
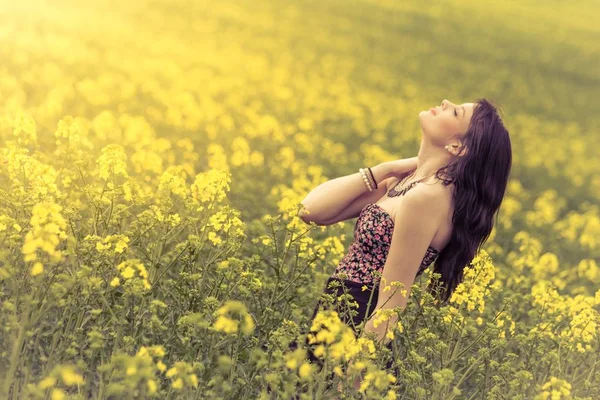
(307, 217)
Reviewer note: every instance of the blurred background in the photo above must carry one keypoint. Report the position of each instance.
(282, 95)
(352, 74)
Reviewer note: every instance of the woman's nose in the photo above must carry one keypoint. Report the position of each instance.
(445, 102)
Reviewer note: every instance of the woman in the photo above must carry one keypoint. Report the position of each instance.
(437, 206)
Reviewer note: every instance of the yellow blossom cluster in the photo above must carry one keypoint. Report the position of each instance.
(223, 223)
(150, 355)
(545, 209)
(296, 361)
(74, 133)
(106, 145)
(588, 269)
(24, 129)
(475, 287)
(529, 250)
(181, 375)
(555, 389)
(210, 187)
(233, 316)
(62, 374)
(581, 332)
(501, 322)
(172, 219)
(382, 315)
(331, 334)
(31, 180)
(172, 180)
(379, 379)
(132, 270)
(112, 161)
(47, 231)
(582, 227)
(118, 243)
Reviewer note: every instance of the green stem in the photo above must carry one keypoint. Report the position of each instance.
(467, 372)
(16, 351)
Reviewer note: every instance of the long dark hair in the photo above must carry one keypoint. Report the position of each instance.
(480, 177)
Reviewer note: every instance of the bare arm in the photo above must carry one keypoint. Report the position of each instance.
(342, 198)
(416, 223)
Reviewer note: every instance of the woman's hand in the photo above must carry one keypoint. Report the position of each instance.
(355, 384)
(401, 168)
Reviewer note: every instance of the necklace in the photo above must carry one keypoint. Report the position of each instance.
(393, 192)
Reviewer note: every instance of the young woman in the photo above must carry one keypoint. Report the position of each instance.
(438, 206)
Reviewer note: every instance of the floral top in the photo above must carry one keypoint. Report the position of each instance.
(368, 251)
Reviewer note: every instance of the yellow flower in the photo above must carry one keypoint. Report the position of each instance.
(319, 350)
(225, 324)
(248, 326)
(305, 371)
(173, 180)
(178, 383)
(159, 351)
(291, 363)
(115, 282)
(121, 245)
(47, 382)
(142, 269)
(382, 315)
(143, 352)
(400, 326)
(171, 372)
(365, 382)
(113, 160)
(70, 377)
(128, 272)
(161, 367)
(236, 309)
(57, 394)
(102, 246)
(24, 129)
(194, 380)
(211, 185)
(47, 230)
(151, 386)
(37, 269)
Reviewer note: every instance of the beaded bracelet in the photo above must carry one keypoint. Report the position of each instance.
(365, 179)
(372, 177)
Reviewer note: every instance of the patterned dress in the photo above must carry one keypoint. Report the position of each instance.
(368, 251)
(366, 254)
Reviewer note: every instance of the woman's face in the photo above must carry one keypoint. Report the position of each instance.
(446, 123)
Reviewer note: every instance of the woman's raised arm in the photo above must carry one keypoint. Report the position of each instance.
(328, 200)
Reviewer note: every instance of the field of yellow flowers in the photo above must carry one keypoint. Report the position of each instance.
(153, 155)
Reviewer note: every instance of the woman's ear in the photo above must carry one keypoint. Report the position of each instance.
(456, 149)
(462, 149)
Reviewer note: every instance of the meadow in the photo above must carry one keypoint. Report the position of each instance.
(153, 155)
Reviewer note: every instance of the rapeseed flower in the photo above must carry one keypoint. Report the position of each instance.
(232, 316)
(47, 231)
(112, 162)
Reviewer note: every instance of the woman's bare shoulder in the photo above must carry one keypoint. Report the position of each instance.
(437, 195)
